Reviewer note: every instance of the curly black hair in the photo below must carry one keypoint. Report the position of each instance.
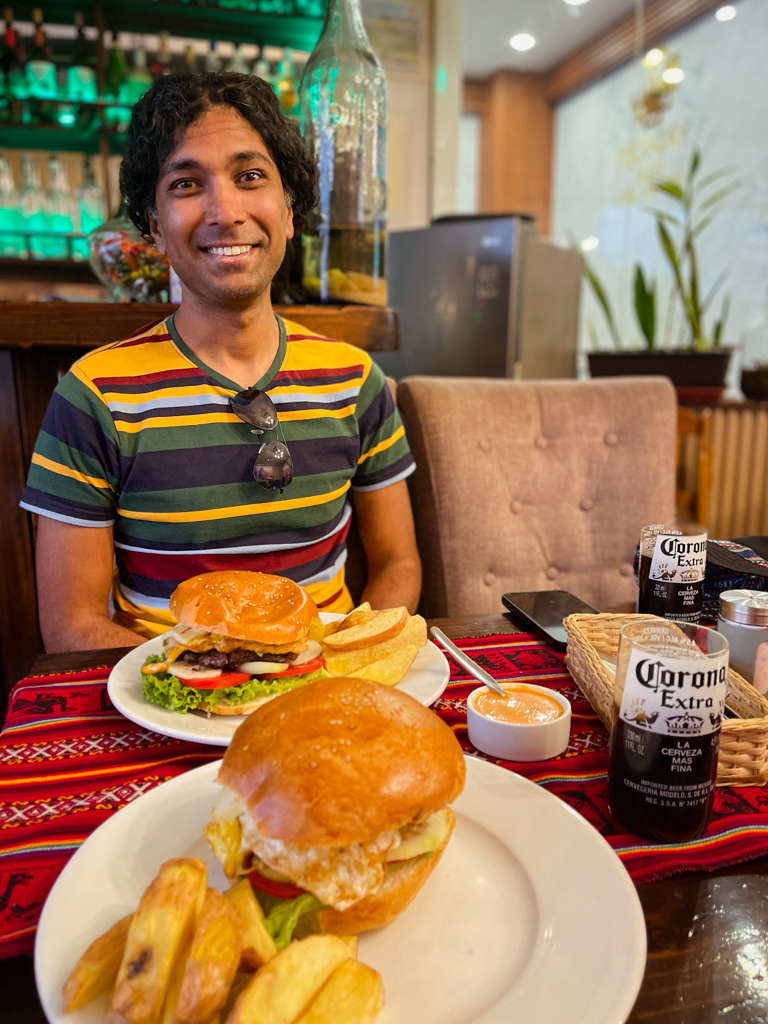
(175, 101)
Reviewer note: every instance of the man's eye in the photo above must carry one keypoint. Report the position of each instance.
(251, 177)
(183, 184)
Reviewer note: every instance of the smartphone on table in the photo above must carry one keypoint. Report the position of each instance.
(543, 611)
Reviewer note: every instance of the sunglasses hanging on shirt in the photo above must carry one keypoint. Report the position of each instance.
(273, 468)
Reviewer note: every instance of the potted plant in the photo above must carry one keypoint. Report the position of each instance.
(702, 362)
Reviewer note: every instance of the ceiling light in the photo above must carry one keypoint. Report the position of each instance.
(672, 76)
(522, 41)
(725, 13)
(653, 57)
(576, 3)
(589, 244)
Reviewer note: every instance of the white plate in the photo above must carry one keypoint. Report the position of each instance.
(529, 917)
(425, 680)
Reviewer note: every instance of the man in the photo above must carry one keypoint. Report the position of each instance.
(144, 461)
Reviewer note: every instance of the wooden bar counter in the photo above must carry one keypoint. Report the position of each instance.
(39, 341)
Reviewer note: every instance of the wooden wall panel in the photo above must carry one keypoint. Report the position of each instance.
(516, 154)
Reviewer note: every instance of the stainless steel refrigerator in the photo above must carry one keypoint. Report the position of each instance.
(483, 297)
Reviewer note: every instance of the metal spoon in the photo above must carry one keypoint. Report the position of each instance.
(471, 666)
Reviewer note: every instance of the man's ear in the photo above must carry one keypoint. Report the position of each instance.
(155, 233)
(289, 223)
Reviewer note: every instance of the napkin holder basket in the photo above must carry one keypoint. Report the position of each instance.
(743, 755)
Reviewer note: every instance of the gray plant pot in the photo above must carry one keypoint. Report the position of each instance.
(684, 369)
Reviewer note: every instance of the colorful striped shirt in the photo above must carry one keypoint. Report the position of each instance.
(139, 435)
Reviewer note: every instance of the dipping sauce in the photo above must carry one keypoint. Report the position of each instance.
(523, 706)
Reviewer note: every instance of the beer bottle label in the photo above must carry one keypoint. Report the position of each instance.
(678, 559)
(674, 696)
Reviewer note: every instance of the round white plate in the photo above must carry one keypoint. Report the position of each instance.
(425, 680)
(529, 917)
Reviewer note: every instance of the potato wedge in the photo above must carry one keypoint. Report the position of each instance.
(97, 968)
(163, 923)
(390, 670)
(351, 941)
(212, 962)
(348, 662)
(353, 994)
(285, 986)
(356, 617)
(174, 984)
(258, 944)
(376, 630)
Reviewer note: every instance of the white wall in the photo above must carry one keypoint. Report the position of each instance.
(604, 160)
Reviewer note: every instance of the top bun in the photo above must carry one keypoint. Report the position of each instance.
(340, 761)
(245, 605)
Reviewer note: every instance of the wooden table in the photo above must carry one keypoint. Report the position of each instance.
(707, 932)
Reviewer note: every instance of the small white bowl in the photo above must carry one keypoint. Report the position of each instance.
(519, 742)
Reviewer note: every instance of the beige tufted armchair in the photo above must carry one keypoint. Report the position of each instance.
(537, 485)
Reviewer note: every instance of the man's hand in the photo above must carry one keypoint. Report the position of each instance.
(385, 521)
(74, 577)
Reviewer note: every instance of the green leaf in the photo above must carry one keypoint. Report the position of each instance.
(645, 307)
(602, 298)
(715, 176)
(695, 160)
(670, 187)
(663, 215)
(721, 322)
(718, 197)
(282, 916)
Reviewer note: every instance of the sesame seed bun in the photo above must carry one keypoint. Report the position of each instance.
(340, 761)
(245, 605)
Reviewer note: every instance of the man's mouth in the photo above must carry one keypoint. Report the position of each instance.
(227, 250)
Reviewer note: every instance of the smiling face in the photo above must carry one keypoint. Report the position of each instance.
(221, 215)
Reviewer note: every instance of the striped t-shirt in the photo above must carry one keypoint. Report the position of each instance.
(140, 435)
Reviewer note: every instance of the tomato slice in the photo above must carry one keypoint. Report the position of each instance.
(281, 890)
(299, 670)
(219, 682)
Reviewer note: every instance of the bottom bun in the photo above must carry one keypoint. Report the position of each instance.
(237, 709)
(380, 908)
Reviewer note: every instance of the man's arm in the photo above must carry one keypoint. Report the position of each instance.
(386, 528)
(74, 577)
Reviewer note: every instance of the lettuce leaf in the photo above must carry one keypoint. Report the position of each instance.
(282, 916)
(169, 691)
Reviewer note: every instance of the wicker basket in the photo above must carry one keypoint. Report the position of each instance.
(743, 757)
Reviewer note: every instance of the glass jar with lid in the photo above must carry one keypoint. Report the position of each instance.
(743, 620)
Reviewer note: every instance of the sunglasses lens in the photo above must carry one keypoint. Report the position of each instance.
(273, 468)
(256, 408)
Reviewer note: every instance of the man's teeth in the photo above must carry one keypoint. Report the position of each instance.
(229, 250)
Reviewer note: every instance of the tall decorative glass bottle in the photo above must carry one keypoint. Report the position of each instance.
(343, 96)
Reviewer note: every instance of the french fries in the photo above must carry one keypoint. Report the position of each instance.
(284, 987)
(363, 644)
(258, 946)
(165, 919)
(97, 968)
(192, 955)
(213, 961)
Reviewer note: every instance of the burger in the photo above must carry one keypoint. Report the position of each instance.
(335, 805)
(242, 638)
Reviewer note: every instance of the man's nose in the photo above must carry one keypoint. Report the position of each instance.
(225, 204)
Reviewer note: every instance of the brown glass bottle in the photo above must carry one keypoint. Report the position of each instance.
(668, 705)
(671, 572)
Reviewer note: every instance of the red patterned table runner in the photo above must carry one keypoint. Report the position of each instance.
(68, 761)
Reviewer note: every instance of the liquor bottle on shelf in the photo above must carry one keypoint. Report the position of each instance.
(117, 69)
(81, 74)
(190, 60)
(139, 79)
(91, 208)
(237, 62)
(13, 82)
(40, 70)
(33, 211)
(12, 240)
(60, 210)
(162, 66)
(343, 97)
(287, 87)
(213, 58)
